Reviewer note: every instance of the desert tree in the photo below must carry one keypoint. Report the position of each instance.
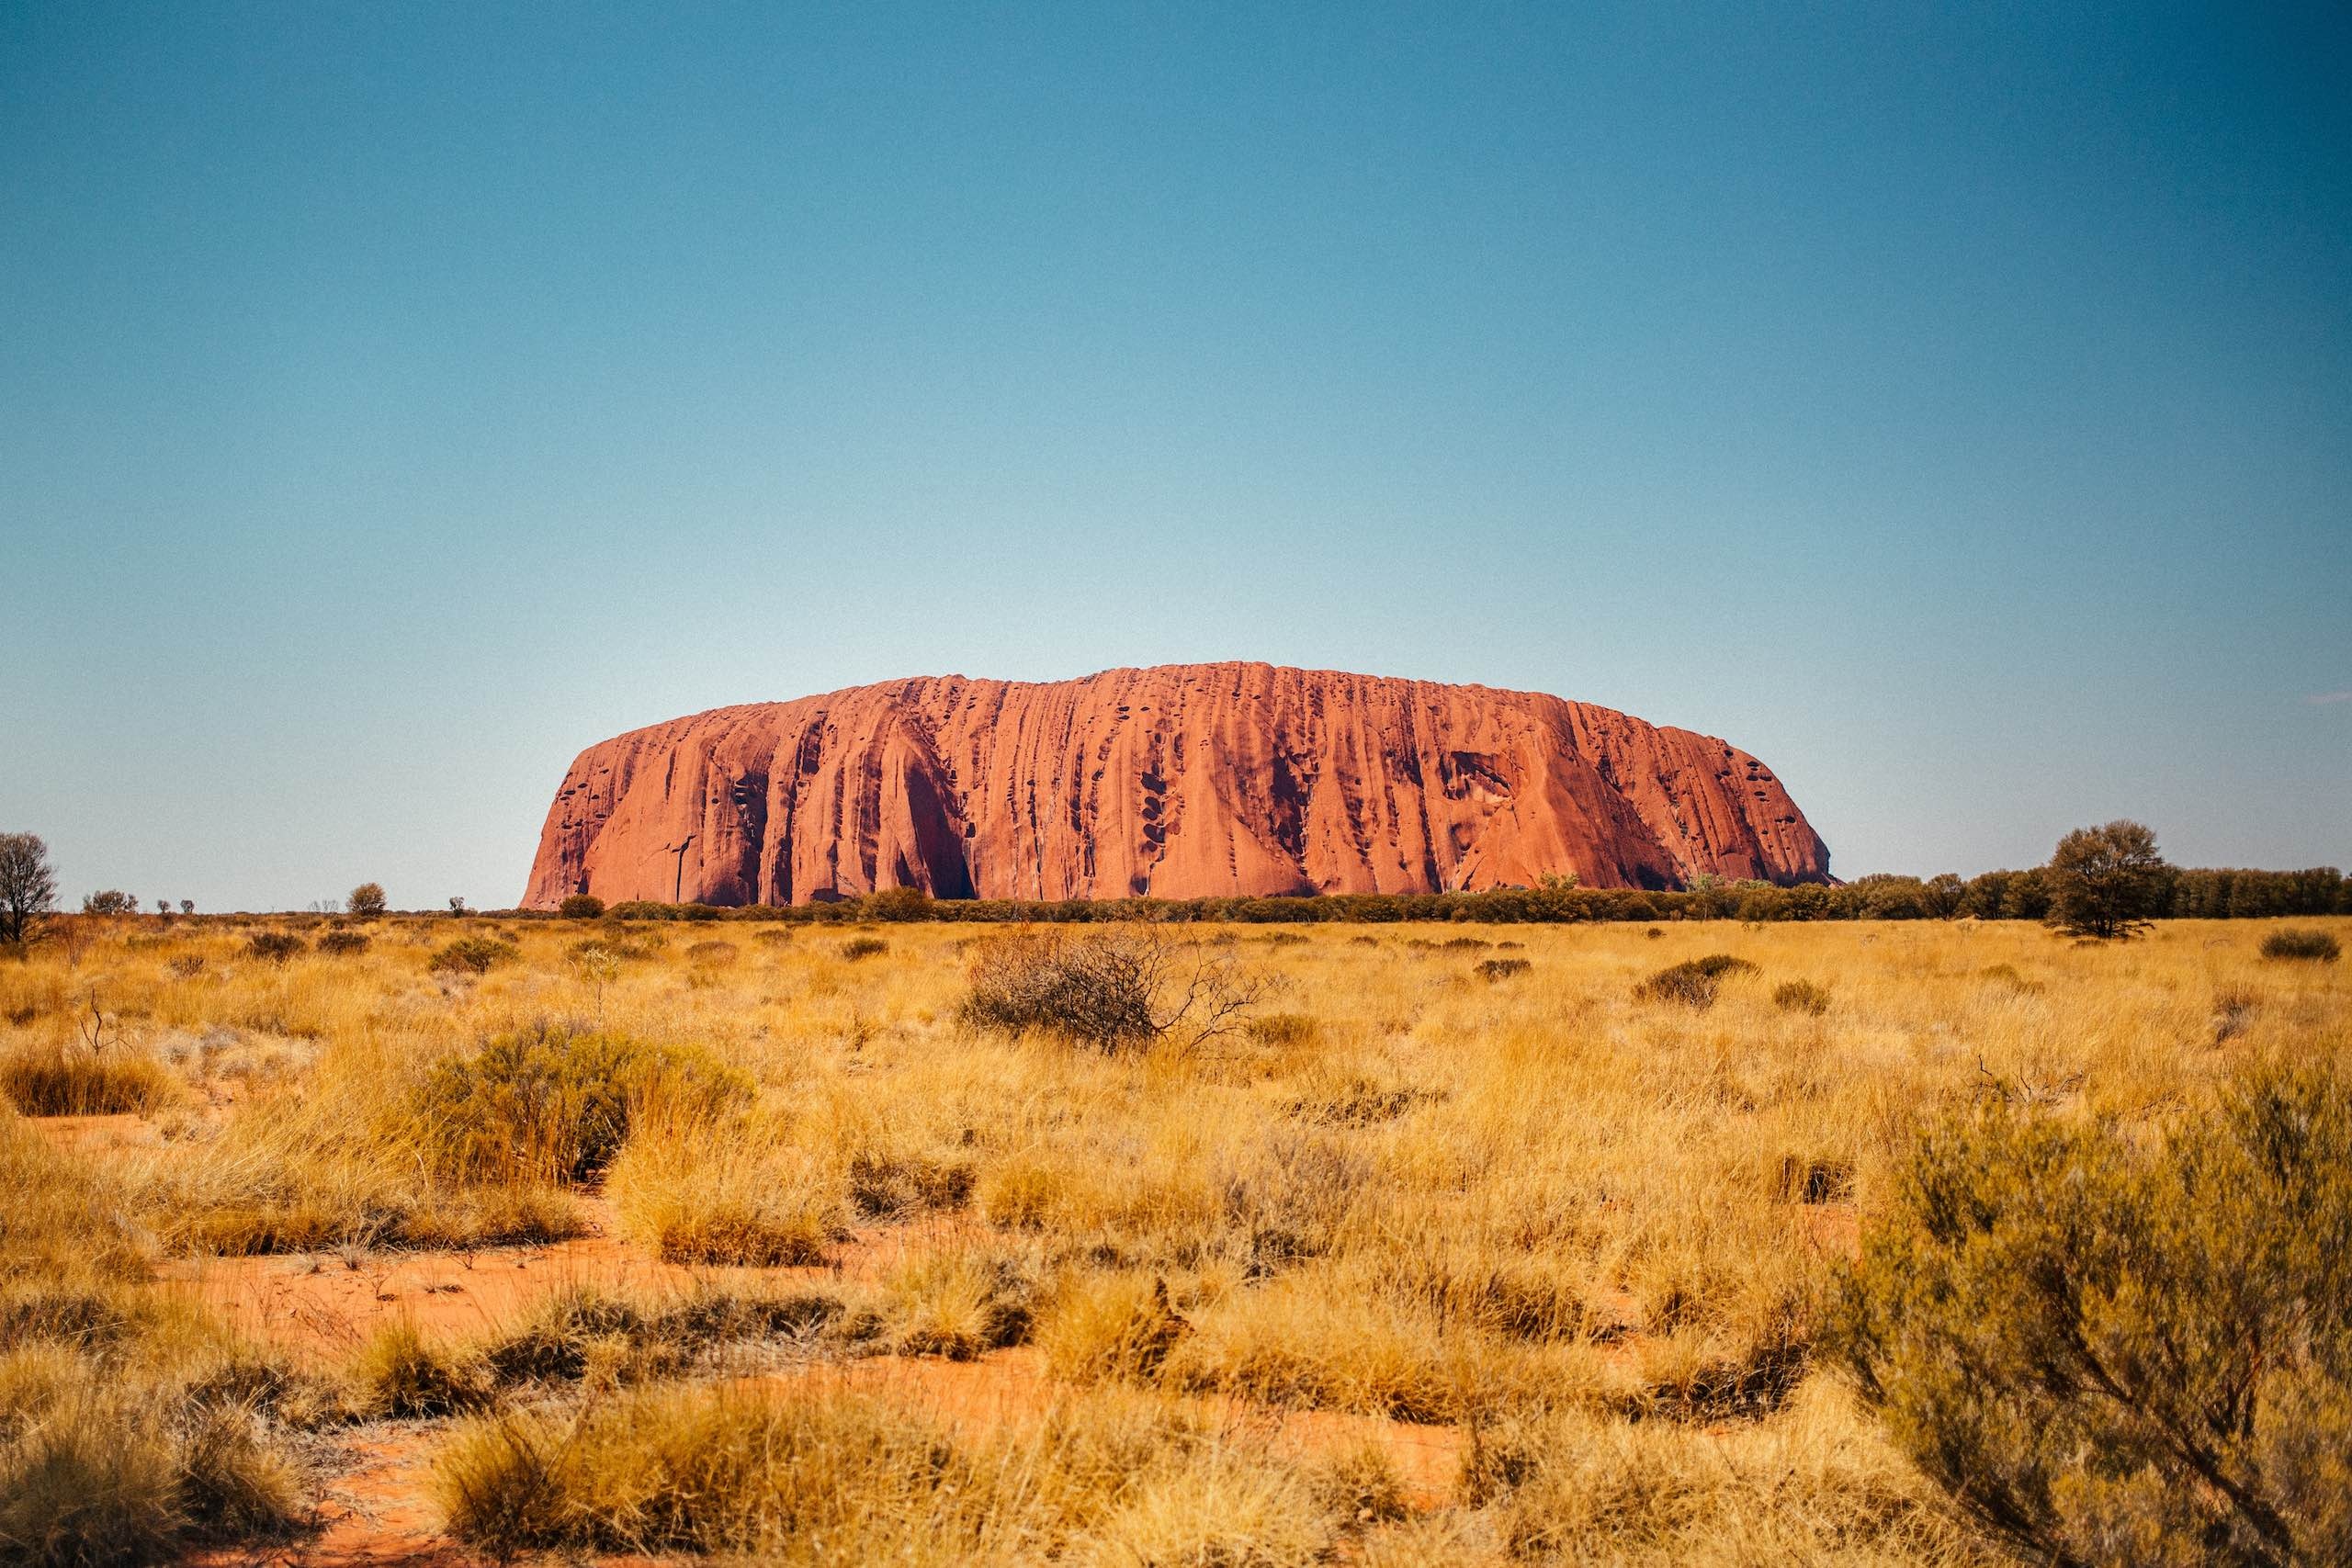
(1943, 896)
(2123, 1345)
(187, 906)
(109, 901)
(458, 904)
(366, 900)
(28, 885)
(2107, 882)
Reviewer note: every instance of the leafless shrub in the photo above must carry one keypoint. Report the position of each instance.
(1112, 990)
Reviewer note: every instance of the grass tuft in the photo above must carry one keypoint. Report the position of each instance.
(1694, 982)
(70, 1079)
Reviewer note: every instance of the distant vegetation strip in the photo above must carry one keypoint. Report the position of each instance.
(2186, 893)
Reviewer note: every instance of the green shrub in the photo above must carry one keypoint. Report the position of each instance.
(556, 1103)
(2113, 1348)
(581, 907)
(898, 904)
(2107, 882)
(1693, 982)
(472, 954)
(273, 947)
(2319, 947)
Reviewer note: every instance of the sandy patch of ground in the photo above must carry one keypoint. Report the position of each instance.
(327, 1304)
(1009, 1388)
(96, 1135)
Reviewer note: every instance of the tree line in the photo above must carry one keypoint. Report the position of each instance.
(2105, 881)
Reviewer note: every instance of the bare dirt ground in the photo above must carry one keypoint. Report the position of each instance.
(377, 1507)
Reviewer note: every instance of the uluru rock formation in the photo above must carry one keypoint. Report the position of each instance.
(1185, 780)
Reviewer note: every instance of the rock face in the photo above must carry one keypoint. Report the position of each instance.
(1186, 781)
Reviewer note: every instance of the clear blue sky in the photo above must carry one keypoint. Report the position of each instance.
(1952, 405)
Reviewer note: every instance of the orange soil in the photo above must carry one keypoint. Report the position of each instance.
(318, 1303)
(378, 1511)
(1012, 1388)
(96, 1135)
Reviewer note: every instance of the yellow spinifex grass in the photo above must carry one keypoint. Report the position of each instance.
(1583, 1220)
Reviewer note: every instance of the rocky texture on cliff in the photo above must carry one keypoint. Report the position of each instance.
(1186, 781)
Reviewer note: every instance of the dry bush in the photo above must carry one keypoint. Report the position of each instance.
(472, 955)
(63, 1078)
(713, 1471)
(1110, 991)
(712, 954)
(2309, 946)
(1106, 1325)
(343, 944)
(1287, 1031)
(1813, 1485)
(585, 1334)
(397, 1374)
(859, 947)
(127, 1429)
(1493, 969)
(339, 1156)
(1801, 996)
(1694, 982)
(275, 947)
(693, 1191)
(1314, 1341)
(960, 1301)
(822, 1475)
(555, 1103)
(2235, 1010)
(2007, 976)
(1332, 1095)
